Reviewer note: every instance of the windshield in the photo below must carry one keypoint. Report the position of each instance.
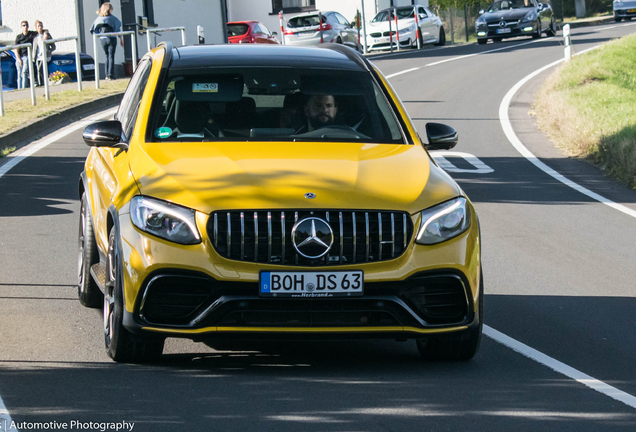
(304, 21)
(402, 13)
(270, 104)
(510, 4)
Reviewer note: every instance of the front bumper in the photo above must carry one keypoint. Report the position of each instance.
(491, 30)
(192, 292)
(625, 12)
(384, 42)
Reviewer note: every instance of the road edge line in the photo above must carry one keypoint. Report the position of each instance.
(517, 144)
(560, 367)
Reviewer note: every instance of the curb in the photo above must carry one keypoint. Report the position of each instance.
(36, 127)
(578, 24)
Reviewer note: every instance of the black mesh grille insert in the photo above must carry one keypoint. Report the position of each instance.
(266, 236)
(313, 313)
(174, 299)
(440, 299)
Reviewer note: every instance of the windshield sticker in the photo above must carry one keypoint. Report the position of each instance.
(205, 88)
(163, 132)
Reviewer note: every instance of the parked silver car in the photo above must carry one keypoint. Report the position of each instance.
(306, 29)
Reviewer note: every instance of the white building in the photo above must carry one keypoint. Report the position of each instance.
(266, 11)
(65, 18)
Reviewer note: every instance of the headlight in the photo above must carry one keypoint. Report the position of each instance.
(530, 16)
(407, 29)
(480, 21)
(63, 62)
(443, 222)
(165, 220)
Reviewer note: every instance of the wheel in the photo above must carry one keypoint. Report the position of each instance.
(339, 41)
(441, 41)
(497, 39)
(551, 31)
(121, 345)
(537, 35)
(461, 346)
(617, 19)
(87, 290)
(482, 41)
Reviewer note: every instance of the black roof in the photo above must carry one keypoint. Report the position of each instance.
(329, 56)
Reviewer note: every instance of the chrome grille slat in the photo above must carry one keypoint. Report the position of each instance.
(381, 228)
(269, 236)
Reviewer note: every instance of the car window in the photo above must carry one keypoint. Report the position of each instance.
(127, 112)
(265, 30)
(342, 19)
(303, 21)
(382, 16)
(273, 104)
(509, 4)
(425, 12)
(404, 13)
(257, 29)
(236, 29)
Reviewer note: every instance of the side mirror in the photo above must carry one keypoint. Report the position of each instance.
(440, 136)
(275, 33)
(481, 11)
(422, 16)
(104, 134)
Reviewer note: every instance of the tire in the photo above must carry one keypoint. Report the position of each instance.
(121, 345)
(88, 292)
(618, 19)
(441, 41)
(551, 31)
(454, 347)
(538, 34)
(339, 41)
(482, 41)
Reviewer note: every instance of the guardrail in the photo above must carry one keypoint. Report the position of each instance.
(29, 48)
(121, 33)
(154, 30)
(78, 63)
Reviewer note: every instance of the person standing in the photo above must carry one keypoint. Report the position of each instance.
(106, 22)
(39, 49)
(22, 54)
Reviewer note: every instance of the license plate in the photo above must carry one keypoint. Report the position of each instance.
(305, 34)
(381, 40)
(312, 284)
(631, 10)
(88, 66)
(505, 30)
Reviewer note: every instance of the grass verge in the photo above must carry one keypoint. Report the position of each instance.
(588, 108)
(20, 112)
(5, 151)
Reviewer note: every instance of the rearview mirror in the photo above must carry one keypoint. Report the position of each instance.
(440, 136)
(481, 11)
(104, 134)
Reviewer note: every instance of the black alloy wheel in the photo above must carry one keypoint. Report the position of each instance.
(482, 41)
(551, 31)
(339, 41)
(455, 346)
(87, 290)
(121, 345)
(617, 19)
(441, 41)
(537, 35)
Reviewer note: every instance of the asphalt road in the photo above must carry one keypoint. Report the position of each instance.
(559, 278)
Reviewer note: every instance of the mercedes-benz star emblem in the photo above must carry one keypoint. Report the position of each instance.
(502, 24)
(310, 195)
(312, 237)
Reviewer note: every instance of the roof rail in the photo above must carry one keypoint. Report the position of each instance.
(351, 54)
(167, 59)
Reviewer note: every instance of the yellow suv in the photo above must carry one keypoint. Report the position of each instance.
(273, 192)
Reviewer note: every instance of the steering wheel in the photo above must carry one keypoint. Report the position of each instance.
(334, 131)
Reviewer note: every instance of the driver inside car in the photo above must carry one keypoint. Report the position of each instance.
(320, 111)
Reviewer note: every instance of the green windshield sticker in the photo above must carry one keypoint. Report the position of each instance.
(163, 132)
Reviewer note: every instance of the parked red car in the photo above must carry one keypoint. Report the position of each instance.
(250, 32)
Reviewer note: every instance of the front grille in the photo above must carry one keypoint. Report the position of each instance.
(174, 299)
(439, 299)
(508, 23)
(312, 313)
(266, 236)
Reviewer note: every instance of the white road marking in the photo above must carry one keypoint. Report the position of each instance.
(15, 158)
(446, 165)
(562, 368)
(5, 418)
(514, 140)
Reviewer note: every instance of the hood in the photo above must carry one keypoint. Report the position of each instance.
(384, 25)
(249, 175)
(508, 15)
